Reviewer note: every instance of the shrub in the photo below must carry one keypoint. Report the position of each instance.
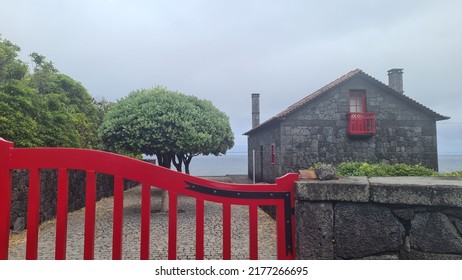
(381, 169)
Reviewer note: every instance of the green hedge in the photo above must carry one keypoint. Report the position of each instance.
(381, 169)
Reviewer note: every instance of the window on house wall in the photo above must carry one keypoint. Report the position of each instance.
(273, 154)
(360, 122)
(358, 101)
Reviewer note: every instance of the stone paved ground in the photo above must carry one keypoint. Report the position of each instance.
(159, 235)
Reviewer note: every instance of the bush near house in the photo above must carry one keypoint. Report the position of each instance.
(382, 169)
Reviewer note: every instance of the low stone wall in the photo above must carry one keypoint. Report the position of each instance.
(48, 193)
(379, 218)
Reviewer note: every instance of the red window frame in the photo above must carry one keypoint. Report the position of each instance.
(358, 102)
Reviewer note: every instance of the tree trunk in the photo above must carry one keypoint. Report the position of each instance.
(178, 162)
(165, 160)
(187, 160)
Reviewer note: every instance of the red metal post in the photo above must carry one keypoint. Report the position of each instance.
(172, 224)
(33, 214)
(199, 229)
(61, 215)
(281, 233)
(117, 228)
(5, 197)
(226, 231)
(145, 220)
(90, 213)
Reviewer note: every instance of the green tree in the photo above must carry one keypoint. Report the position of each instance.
(45, 107)
(166, 124)
(18, 101)
(11, 68)
(70, 117)
(18, 114)
(210, 133)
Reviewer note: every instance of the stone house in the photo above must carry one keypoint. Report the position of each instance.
(354, 118)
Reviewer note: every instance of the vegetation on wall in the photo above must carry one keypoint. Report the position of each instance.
(383, 169)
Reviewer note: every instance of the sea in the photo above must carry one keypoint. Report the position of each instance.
(236, 163)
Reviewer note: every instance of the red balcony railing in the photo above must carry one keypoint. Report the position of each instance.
(361, 123)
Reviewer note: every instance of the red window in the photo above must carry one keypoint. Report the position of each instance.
(273, 154)
(360, 122)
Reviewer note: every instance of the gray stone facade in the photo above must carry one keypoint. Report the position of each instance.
(317, 131)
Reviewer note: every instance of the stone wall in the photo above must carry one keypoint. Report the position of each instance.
(379, 218)
(48, 193)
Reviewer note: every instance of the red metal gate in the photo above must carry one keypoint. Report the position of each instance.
(279, 195)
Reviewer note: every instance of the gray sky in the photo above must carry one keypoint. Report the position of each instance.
(225, 50)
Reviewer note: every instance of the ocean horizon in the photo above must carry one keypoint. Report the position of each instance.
(236, 163)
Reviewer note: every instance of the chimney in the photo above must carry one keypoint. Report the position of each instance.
(395, 79)
(255, 110)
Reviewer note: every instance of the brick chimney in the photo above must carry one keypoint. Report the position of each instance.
(395, 79)
(255, 110)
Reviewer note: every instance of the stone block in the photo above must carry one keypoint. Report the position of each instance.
(363, 230)
(382, 257)
(325, 172)
(417, 255)
(433, 232)
(353, 189)
(314, 230)
(429, 191)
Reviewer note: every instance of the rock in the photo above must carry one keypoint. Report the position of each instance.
(314, 231)
(19, 224)
(325, 172)
(434, 233)
(363, 230)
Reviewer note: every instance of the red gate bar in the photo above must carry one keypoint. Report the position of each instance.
(145, 220)
(199, 229)
(5, 197)
(90, 213)
(117, 227)
(280, 233)
(33, 214)
(253, 231)
(172, 224)
(61, 214)
(226, 231)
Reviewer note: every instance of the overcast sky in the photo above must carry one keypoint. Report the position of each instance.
(225, 50)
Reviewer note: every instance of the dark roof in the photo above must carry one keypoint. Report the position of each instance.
(337, 82)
